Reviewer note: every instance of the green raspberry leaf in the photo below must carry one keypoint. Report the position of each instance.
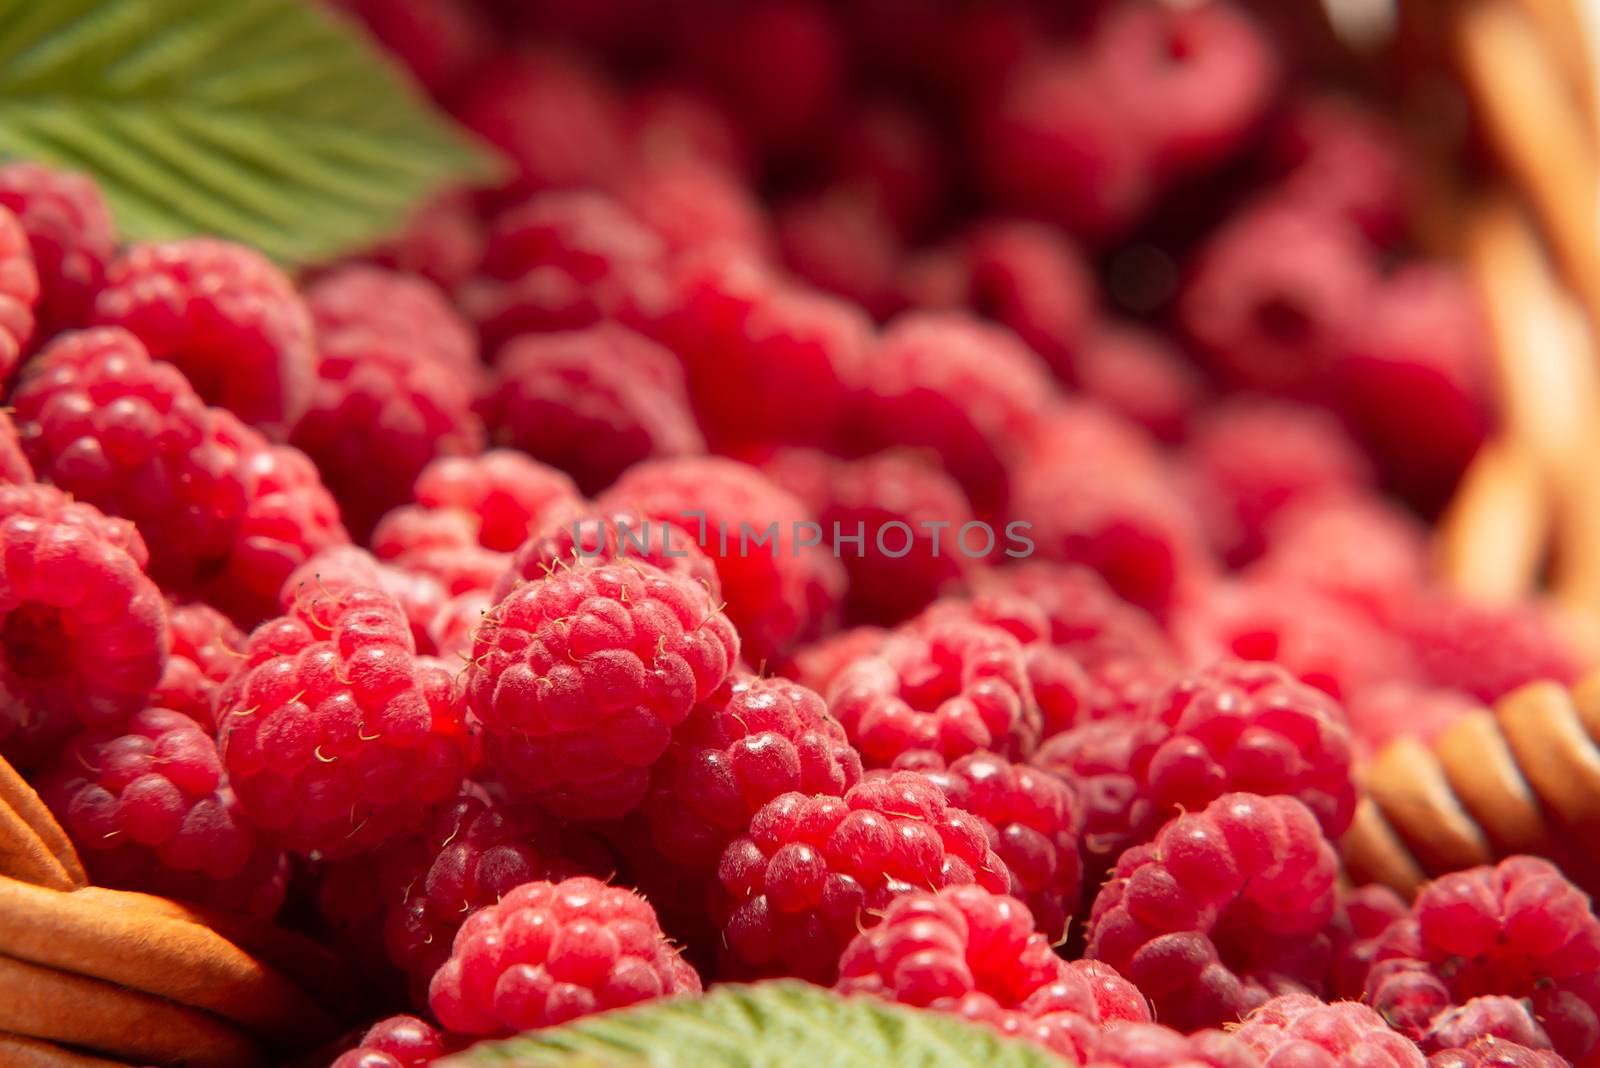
(765, 1025)
(270, 122)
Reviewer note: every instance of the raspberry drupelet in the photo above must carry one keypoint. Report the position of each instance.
(510, 493)
(14, 465)
(1221, 910)
(1299, 1029)
(579, 678)
(396, 1042)
(334, 734)
(19, 293)
(1491, 1020)
(949, 688)
(551, 952)
(205, 648)
(230, 320)
(813, 871)
(340, 568)
(1518, 929)
(71, 234)
(83, 630)
(1086, 618)
(150, 809)
(1151, 1045)
(582, 536)
(1102, 760)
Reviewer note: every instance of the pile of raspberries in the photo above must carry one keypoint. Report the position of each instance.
(926, 498)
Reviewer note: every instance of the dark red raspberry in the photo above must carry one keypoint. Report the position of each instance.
(901, 522)
(551, 952)
(1300, 1029)
(14, 466)
(443, 242)
(103, 421)
(586, 537)
(580, 677)
(749, 742)
(974, 953)
(551, 113)
(814, 871)
(397, 1042)
(1416, 380)
(442, 42)
(1342, 158)
(1102, 761)
(892, 153)
(150, 809)
(590, 402)
(1362, 551)
(395, 387)
(561, 261)
(1086, 618)
(1196, 81)
(843, 242)
(1034, 819)
(1221, 911)
(1272, 322)
(969, 392)
(779, 589)
(227, 317)
(510, 494)
(1248, 460)
(335, 735)
(1030, 277)
(1381, 713)
(691, 202)
(1137, 374)
(1483, 650)
(19, 293)
(752, 344)
(341, 568)
(205, 648)
(1493, 1017)
(84, 630)
(1359, 920)
(951, 688)
(71, 234)
(672, 121)
(1518, 929)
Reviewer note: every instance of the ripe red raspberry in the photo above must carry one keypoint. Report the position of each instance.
(1299, 1029)
(1034, 820)
(843, 241)
(752, 740)
(440, 41)
(590, 402)
(150, 809)
(691, 202)
(205, 648)
(551, 952)
(779, 589)
(335, 735)
(951, 688)
(669, 121)
(396, 1042)
(818, 664)
(1139, 375)
(510, 494)
(1270, 322)
(1519, 929)
(1086, 618)
(580, 677)
(969, 392)
(813, 871)
(1381, 713)
(1492, 1052)
(103, 421)
(84, 630)
(752, 344)
(1151, 1045)
(19, 293)
(228, 318)
(560, 261)
(1341, 158)
(1494, 1018)
(14, 466)
(335, 571)
(1102, 761)
(1359, 920)
(396, 382)
(1361, 551)
(443, 241)
(1482, 650)
(587, 537)
(1250, 460)
(1221, 911)
(71, 234)
(1251, 727)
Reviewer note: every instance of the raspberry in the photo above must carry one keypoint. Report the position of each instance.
(1358, 550)
(1270, 322)
(1493, 1016)
(817, 665)
(71, 234)
(1034, 821)
(1482, 650)
(149, 807)
(441, 543)
(334, 734)
(14, 466)
(591, 402)
(778, 590)
(600, 948)
(843, 242)
(396, 1042)
(1249, 460)
(1360, 919)
(336, 570)
(752, 345)
(813, 870)
(671, 121)
(19, 293)
(442, 242)
(1300, 1029)
(440, 41)
(1138, 375)
(84, 630)
(967, 391)
(1085, 617)
(1151, 1045)
(736, 751)
(892, 154)
(1101, 760)
(395, 388)
(103, 421)
(560, 261)
(690, 203)
(583, 537)
(951, 688)
(455, 627)
(1493, 1052)
(1249, 727)
(580, 677)
(1341, 158)
(510, 494)
(1518, 929)
(228, 318)
(1221, 911)
(909, 517)
(205, 647)
(1030, 277)
(1381, 713)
